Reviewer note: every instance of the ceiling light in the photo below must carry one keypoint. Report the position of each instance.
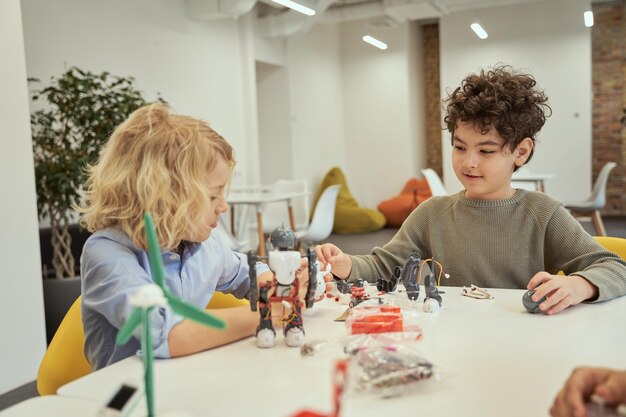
(374, 42)
(588, 18)
(296, 6)
(479, 31)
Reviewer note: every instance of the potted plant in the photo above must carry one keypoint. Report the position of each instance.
(81, 110)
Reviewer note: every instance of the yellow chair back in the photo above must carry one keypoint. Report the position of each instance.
(617, 245)
(221, 300)
(65, 361)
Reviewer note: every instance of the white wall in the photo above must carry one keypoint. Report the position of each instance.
(380, 109)
(21, 300)
(349, 104)
(275, 144)
(549, 40)
(316, 102)
(200, 68)
(352, 106)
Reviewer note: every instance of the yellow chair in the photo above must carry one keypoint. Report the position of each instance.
(617, 245)
(64, 361)
(221, 300)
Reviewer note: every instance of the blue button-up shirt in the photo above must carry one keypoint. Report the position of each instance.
(113, 268)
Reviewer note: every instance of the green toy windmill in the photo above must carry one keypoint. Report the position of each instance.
(156, 295)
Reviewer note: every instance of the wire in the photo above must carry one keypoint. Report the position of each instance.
(419, 271)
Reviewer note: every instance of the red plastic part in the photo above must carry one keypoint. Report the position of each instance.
(382, 320)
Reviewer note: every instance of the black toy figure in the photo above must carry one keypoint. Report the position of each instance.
(410, 275)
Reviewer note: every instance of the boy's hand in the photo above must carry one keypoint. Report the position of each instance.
(560, 291)
(610, 385)
(340, 263)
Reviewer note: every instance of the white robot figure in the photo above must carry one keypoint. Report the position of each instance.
(284, 263)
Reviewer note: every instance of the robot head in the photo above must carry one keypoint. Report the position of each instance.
(360, 283)
(283, 238)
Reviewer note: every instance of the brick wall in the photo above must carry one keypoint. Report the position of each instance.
(609, 98)
(430, 37)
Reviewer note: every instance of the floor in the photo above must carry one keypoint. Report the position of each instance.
(19, 394)
(356, 244)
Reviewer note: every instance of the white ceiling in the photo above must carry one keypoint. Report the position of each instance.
(277, 21)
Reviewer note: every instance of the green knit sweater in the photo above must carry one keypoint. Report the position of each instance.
(497, 244)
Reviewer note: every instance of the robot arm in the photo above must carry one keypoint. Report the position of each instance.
(254, 289)
(410, 276)
(389, 285)
(430, 287)
(310, 293)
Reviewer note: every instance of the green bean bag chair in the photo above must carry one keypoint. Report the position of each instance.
(349, 216)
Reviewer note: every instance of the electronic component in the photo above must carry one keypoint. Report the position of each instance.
(122, 402)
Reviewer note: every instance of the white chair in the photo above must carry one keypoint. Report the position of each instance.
(323, 218)
(277, 214)
(594, 203)
(227, 238)
(434, 182)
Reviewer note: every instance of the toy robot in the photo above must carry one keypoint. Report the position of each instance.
(283, 289)
(410, 275)
(357, 291)
(432, 299)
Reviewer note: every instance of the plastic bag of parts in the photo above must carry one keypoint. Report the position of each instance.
(388, 370)
(353, 342)
(381, 319)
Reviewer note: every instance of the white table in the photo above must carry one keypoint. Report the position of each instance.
(536, 179)
(496, 360)
(53, 406)
(259, 199)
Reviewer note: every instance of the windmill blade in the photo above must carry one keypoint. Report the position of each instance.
(194, 313)
(154, 252)
(128, 328)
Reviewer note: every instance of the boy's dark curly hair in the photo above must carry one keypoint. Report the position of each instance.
(499, 98)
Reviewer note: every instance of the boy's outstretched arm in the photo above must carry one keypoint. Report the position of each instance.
(341, 264)
(561, 291)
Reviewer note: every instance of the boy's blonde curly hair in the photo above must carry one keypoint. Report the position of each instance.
(155, 162)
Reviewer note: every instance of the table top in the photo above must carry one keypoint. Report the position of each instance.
(494, 358)
(263, 197)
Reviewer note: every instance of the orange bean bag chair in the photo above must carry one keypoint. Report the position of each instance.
(398, 208)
